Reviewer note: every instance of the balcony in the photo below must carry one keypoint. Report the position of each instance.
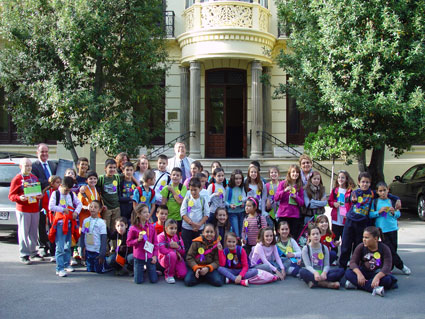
(169, 23)
(237, 29)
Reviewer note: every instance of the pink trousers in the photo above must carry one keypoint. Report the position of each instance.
(173, 266)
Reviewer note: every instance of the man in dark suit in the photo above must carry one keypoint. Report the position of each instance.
(43, 169)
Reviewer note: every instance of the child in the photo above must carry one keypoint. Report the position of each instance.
(235, 198)
(142, 238)
(370, 265)
(340, 201)
(144, 194)
(127, 189)
(162, 216)
(72, 173)
(66, 207)
(82, 167)
(173, 195)
(234, 262)
(288, 249)
(358, 217)
(90, 194)
(327, 238)
(109, 185)
(314, 197)
(221, 223)
(290, 196)
(171, 252)
(386, 219)
(203, 177)
(194, 212)
(265, 255)
(202, 258)
(256, 164)
(317, 271)
(162, 178)
(141, 167)
(94, 238)
(195, 168)
(254, 187)
(252, 224)
(214, 165)
(216, 191)
(271, 187)
(122, 258)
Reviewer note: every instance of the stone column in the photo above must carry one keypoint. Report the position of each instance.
(257, 111)
(195, 110)
(184, 101)
(267, 114)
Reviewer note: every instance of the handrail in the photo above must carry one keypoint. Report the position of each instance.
(167, 146)
(294, 152)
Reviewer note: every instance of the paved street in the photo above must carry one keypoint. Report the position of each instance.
(36, 292)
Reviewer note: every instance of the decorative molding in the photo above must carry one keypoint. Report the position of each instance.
(220, 15)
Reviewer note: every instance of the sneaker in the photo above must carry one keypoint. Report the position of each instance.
(26, 260)
(74, 262)
(227, 281)
(170, 280)
(378, 291)
(245, 283)
(349, 285)
(69, 269)
(53, 259)
(310, 284)
(406, 270)
(61, 273)
(37, 258)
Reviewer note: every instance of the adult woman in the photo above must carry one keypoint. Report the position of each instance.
(306, 165)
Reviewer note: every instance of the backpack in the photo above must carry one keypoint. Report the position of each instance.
(58, 196)
(323, 251)
(101, 181)
(169, 193)
(168, 179)
(303, 237)
(151, 190)
(262, 277)
(238, 254)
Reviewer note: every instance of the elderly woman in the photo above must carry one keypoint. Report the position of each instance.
(306, 165)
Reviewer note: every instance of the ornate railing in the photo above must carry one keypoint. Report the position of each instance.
(162, 149)
(169, 23)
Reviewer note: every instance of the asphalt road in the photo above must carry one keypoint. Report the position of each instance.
(36, 292)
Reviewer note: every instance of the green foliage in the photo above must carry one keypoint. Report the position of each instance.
(91, 67)
(357, 68)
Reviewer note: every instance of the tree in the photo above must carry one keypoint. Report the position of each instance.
(84, 71)
(357, 68)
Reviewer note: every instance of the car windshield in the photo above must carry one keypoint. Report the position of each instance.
(7, 173)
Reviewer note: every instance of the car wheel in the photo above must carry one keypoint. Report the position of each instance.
(421, 207)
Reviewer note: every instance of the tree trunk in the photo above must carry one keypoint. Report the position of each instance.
(361, 159)
(93, 158)
(70, 146)
(376, 165)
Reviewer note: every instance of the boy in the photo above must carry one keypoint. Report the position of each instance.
(66, 207)
(144, 194)
(195, 213)
(162, 178)
(162, 216)
(204, 181)
(122, 258)
(127, 190)
(173, 195)
(93, 239)
(109, 185)
(82, 168)
(358, 217)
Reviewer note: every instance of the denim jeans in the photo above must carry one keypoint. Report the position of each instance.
(92, 262)
(214, 278)
(63, 247)
(333, 275)
(387, 281)
(236, 221)
(139, 265)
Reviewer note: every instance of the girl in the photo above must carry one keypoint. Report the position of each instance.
(265, 255)
(386, 219)
(288, 249)
(214, 165)
(290, 197)
(204, 182)
(339, 201)
(90, 194)
(195, 168)
(252, 224)
(234, 262)
(316, 260)
(142, 237)
(370, 265)
(254, 187)
(141, 167)
(221, 223)
(314, 197)
(327, 238)
(71, 172)
(171, 252)
(216, 191)
(235, 198)
(202, 259)
(271, 205)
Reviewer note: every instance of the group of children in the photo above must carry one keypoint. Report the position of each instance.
(207, 228)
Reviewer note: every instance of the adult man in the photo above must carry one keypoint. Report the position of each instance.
(180, 160)
(27, 211)
(43, 169)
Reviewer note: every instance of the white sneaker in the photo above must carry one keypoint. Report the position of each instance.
(69, 269)
(170, 280)
(406, 270)
(74, 262)
(378, 291)
(349, 285)
(53, 259)
(227, 281)
(61, 273)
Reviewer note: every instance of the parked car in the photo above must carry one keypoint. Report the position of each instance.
(9, 167)
(410, 187)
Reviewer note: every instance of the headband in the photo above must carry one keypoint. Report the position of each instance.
(253, 199)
